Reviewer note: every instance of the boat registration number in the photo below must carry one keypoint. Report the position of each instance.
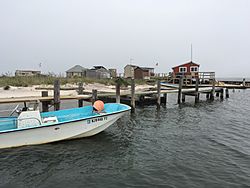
(96, 120)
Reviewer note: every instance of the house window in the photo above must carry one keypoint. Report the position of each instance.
(183, 69)
(194, 69)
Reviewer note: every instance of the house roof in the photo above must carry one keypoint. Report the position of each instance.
(99, 67)
(134, 66)
(147, 68)
(28, 71)
(143, 68)
(190, 62)
(76, 68)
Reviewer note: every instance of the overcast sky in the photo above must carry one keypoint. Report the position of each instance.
(62, 33)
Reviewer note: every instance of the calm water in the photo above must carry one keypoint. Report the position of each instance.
(204, 145)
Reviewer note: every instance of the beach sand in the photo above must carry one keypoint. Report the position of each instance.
(33, 92)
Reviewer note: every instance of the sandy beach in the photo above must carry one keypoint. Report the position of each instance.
(32, 91)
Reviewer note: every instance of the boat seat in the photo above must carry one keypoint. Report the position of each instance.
(29, 119)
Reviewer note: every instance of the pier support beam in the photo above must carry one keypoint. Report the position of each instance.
(133, 95)
(217, 94)
(118, 91)
(197, 95)
(212, 91)
(80, 92)
(57, 95)
(164, 99)
(227, 93)
(207, 95)
(180, 90)
(183, 98)
(45, 104)
(94, 95)
(222, 94)
(158, 93)
(244, 82)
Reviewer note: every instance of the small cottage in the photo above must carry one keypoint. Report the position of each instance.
(76, 71)
(27, 73)
(143, 73)
(129, 71)
(190, 69)
(148, 72)
(98, 72)
(136, 72)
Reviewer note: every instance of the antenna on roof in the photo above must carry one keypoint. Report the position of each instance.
(131, 61)
(191, 52)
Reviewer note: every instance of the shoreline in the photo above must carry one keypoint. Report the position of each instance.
(35, 91)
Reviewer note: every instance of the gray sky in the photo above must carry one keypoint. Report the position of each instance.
(62, 33)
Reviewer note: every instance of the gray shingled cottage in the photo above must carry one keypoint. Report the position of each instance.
(76, 71)
(97, 72)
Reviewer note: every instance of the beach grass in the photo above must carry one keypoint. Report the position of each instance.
(26, 81)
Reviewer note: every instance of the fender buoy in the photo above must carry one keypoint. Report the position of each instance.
(98, 106)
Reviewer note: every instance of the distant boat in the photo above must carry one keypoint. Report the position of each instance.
(32, 127)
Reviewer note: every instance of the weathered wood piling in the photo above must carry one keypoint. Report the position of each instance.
(118, 92)
(197, 94)
(94, 96)
(164, 99)
(80, 92)
(180, 90)
(158, 94)
(45, 104)
(133, 94)
(213, 90)
(57, 95)
(227, 93)
(222, 94)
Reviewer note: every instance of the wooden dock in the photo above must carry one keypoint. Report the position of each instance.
(132, 97)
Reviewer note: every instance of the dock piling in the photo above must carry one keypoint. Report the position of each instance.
(197, 96)
(180, 90)
(57, 95)
(207, 95)
(183, 99)
(158, 93)
(227, 93)
(222, 94)
(118, 92)
(80, 92)
(45, 104)
(133, 94)
(94, 95)
(213, 90)
(164, 99)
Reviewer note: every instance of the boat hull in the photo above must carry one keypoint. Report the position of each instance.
(53, 133)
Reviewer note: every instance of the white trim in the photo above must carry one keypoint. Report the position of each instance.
(182, 68)
(194, 67)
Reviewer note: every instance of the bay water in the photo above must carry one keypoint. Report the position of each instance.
(188, 145)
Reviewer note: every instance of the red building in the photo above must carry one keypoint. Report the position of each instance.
(189, 69)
